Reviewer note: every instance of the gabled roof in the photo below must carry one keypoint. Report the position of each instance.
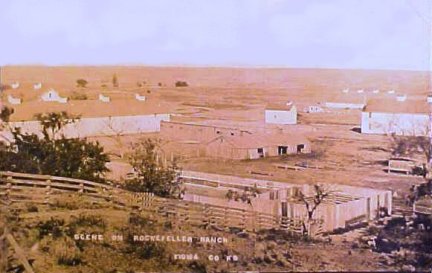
(394, 106)
(279, 107)
(352, 98)
(90, 108)
(259, 140)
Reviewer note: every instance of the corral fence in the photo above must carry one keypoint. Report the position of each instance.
(19, 187)
(424, 208)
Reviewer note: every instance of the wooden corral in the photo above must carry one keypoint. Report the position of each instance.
(423, 206)
(344, 206)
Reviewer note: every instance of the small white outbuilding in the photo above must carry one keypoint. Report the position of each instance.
(104, 98)
(14, 101)
(281, 113)
(15, 85)
(37, 86)
(140, 97)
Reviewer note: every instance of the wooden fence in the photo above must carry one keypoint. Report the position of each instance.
(18, 187)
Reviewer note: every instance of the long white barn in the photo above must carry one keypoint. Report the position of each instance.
(102, 126)
(409, 117)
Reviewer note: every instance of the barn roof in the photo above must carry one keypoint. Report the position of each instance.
(394, 106)
(279, 106)
(202, 124)
(259, 140)
(346, 98)
(89, 108)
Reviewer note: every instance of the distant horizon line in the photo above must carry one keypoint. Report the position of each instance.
(208, 66)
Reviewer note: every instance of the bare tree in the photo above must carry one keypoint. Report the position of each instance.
(312, 202)
(116, 133)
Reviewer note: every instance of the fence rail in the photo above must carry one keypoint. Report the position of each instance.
(18, 187)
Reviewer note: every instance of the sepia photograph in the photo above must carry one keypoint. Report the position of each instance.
(229, 136)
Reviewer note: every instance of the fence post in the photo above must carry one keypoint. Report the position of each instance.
(48, 192)
(207, 213)
(3, 252)
(81, 190)
(256, 221)
(225, 220)
(110, 195)
(9, 181)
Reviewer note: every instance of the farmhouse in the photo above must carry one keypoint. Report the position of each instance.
(231, 143)
(52, 95)
(400, 117)
(281, 114)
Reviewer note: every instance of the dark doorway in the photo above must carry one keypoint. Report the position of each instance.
(282, 150)
(261, 152)
(284, 209)
(300, 148)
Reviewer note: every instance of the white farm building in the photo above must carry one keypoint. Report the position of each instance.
(400, 117)
(281, 114)
(52, 95)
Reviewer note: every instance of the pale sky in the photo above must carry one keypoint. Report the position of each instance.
(368, 34)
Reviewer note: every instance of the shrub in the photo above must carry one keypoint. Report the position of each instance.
(147, 250)
(5, 113)
(88, 221)
(181, 84)
(115, 81)
(81, 83)
(197, 267)
(137, 220)
(78, 96)
(66, 252)
(32, 208)
(52, 227)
